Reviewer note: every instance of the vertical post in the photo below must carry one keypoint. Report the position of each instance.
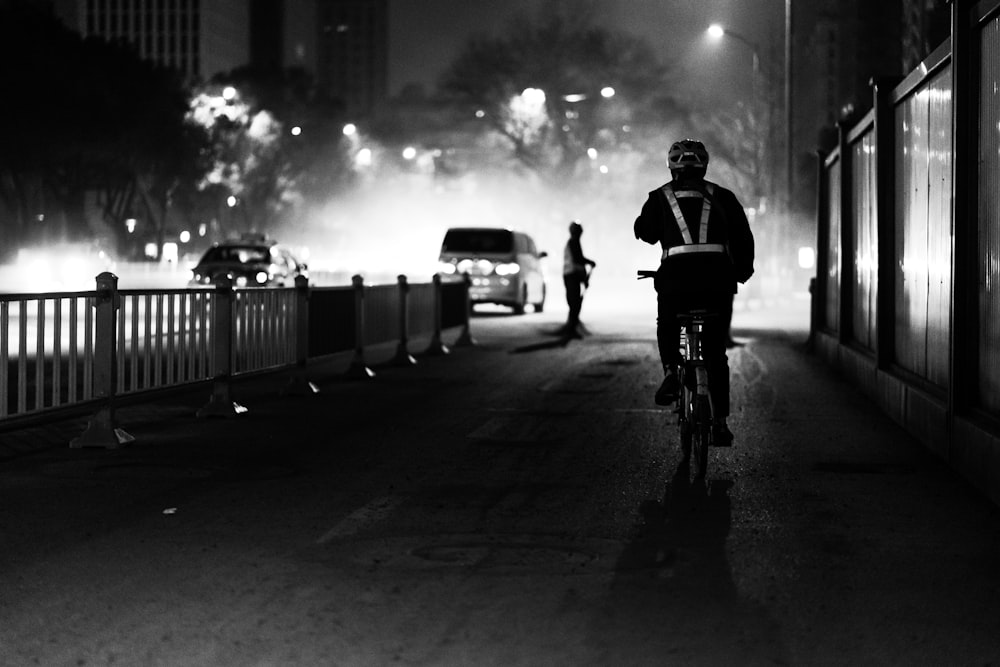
(885, 216)
(844, 326)
(963, 376)
(102, 430)
(299, 384)
(817, 285)
(403, 357)
(221, 403)
(358, 370)
(437, 347)
(789, 121)
(465, 338)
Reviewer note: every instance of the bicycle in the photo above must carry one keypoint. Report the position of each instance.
(695, 411)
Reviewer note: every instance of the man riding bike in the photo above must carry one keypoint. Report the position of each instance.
(707, 248)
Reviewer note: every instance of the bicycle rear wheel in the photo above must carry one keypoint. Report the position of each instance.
(701, 435)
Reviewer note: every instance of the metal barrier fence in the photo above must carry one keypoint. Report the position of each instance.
(64, 350)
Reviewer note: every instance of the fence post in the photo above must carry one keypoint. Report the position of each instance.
(221, 403)
(102, 430)
(465, 338)
(358, 370)
(299, 384)
(437, 347)
(403, 357)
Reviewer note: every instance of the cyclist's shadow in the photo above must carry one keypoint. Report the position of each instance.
(694, 515)
(673, 583)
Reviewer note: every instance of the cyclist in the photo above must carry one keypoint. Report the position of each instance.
(707, 248)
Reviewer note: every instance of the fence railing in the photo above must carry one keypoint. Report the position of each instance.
(65, 350)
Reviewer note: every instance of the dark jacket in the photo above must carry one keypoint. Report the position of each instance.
(727, 225)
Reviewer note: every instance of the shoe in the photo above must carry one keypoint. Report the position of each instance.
(669, 391)
(721, 435)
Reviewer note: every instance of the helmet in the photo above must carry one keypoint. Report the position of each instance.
(687, 153)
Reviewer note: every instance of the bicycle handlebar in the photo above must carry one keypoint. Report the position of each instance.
(640, 274)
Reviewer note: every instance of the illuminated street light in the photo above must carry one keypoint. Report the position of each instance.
(231, 201)
(607, 92)
(185, 236)
(229, 93)
(350, 130)
(716, 32)
(363, 157)
(533, 96)
(296, 131)
(409, 153)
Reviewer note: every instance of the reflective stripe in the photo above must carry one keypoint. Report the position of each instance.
(695, 247)
(678, 215)
(706, 210)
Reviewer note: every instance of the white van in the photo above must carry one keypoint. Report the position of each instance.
(504, 266)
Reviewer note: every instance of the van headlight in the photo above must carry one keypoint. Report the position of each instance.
(446, 268)
(511, 269)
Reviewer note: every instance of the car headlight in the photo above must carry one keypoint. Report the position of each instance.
(510, 269)
(446, 268)
(241, 281)
(261, 277)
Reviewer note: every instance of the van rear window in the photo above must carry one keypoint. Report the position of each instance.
(478, 240)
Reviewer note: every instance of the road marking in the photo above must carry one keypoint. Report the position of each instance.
(353, 523)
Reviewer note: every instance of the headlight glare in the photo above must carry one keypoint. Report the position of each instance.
(510, 269)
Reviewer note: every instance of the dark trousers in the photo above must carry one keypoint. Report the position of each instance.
(574, 297)
(713, 342)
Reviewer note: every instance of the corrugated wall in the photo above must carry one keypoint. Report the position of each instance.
(989, 217)
(865, 240)
(924, 229)
(831, 314)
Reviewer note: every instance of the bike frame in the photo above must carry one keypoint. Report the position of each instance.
(695, 410)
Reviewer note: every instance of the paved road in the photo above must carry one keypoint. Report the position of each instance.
(509, 504)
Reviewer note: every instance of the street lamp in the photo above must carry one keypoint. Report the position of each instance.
(716, 32)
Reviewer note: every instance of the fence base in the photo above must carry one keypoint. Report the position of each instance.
(221, 404)
(465, 339)
(299, 386)
(436, 348)
(358, 370)
(403, 357)
(102, 432)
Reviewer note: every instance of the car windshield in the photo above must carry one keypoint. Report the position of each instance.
(244, 254)
(478, 241)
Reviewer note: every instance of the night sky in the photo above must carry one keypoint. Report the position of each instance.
(425, 35)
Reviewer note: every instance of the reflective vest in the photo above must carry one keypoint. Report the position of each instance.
(706, 209)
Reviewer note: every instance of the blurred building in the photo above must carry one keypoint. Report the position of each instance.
(196, 37)
(838, 48)
(342, 43)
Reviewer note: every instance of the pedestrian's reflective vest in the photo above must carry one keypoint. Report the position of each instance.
(706, 209)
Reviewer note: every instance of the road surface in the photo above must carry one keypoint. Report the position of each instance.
(511, 503)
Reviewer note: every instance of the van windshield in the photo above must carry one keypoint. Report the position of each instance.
(478, 241)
